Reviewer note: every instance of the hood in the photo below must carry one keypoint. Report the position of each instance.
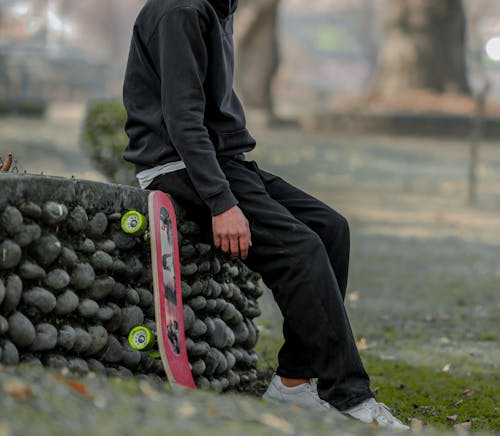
(224, 8)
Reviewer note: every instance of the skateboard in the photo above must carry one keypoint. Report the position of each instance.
(169, 341)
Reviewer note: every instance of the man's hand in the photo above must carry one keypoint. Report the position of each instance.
(232, 232)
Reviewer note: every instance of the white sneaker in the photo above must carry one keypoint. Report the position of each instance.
(369, 411)
(304, 395)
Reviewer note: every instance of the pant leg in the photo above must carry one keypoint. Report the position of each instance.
(332, 228)
(294, 263)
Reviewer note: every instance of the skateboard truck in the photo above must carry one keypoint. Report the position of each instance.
(141, 338)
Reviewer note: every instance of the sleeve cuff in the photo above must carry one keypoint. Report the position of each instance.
(221, 202)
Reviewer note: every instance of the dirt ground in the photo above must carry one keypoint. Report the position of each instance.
(425, 269)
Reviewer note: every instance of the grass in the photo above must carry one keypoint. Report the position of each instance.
(432, 396)
(423, 393)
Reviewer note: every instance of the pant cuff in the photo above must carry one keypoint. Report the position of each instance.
(352, 401)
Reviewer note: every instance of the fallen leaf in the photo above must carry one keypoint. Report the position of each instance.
(468, 393)
(78, 387)
(362, 344)
(353, 297)
(446, 368)
(100, 401)
(444, 340)
(18, 390)
(452, 418)
(148, 390)
(186, 410)
(463, 425)
(456, 403)
(276, 422)
(416, 424)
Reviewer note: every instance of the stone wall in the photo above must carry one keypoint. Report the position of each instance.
(72, 285)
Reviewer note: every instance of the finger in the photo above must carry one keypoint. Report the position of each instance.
(217, 241)
(235, 247)
(225, 244)
(243, 248)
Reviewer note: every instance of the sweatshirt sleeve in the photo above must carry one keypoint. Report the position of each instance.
(183, 60)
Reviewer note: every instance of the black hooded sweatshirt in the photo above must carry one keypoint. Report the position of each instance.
(179, 97)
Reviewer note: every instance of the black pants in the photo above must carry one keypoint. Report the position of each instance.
(301, 249)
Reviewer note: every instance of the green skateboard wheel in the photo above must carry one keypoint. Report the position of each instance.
(141, 338)
(134, 223)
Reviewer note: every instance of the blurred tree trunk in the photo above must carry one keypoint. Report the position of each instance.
(257, 53)
(424, 48)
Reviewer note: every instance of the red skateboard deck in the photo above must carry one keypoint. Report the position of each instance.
(167, 290)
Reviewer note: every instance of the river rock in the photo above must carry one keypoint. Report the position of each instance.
(189, 228)
(88, 308)
(123, 241)
(231, 315)
(241, 333)
(145, 297)
(21, 330)
(46, 250)
(96, 366)
(216, 266)
(112, 352)
(198, 368)
(57, 280)
(40, 298)
(82, 276)
(101, 287)
(197, 303)
(105, 313)
(187, 251)
(231, 360)
(186, 290)
(130, 358)
(75, 364)
(97, 225)
(86, 246)
(13, 291)
(199, 328)
(115, 321)
(55, 361)
(189, 317)
(132, 316)
(222, 336)
(31, 360)
(4, 325)
(31, 271)
(11, 220)
(77, 220)
(215, 288)
(188, 269)
(10, 354)
(66, 337)
(68, 257)
(67, 302)
(132, 296)
(101, 261)
(31, 210)
(119, 292)
(46, 337)
(10, 254)
(134, 267)
(54, 213)
(82, 340)
(108, 246)
(99, 337)
(199, 349)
